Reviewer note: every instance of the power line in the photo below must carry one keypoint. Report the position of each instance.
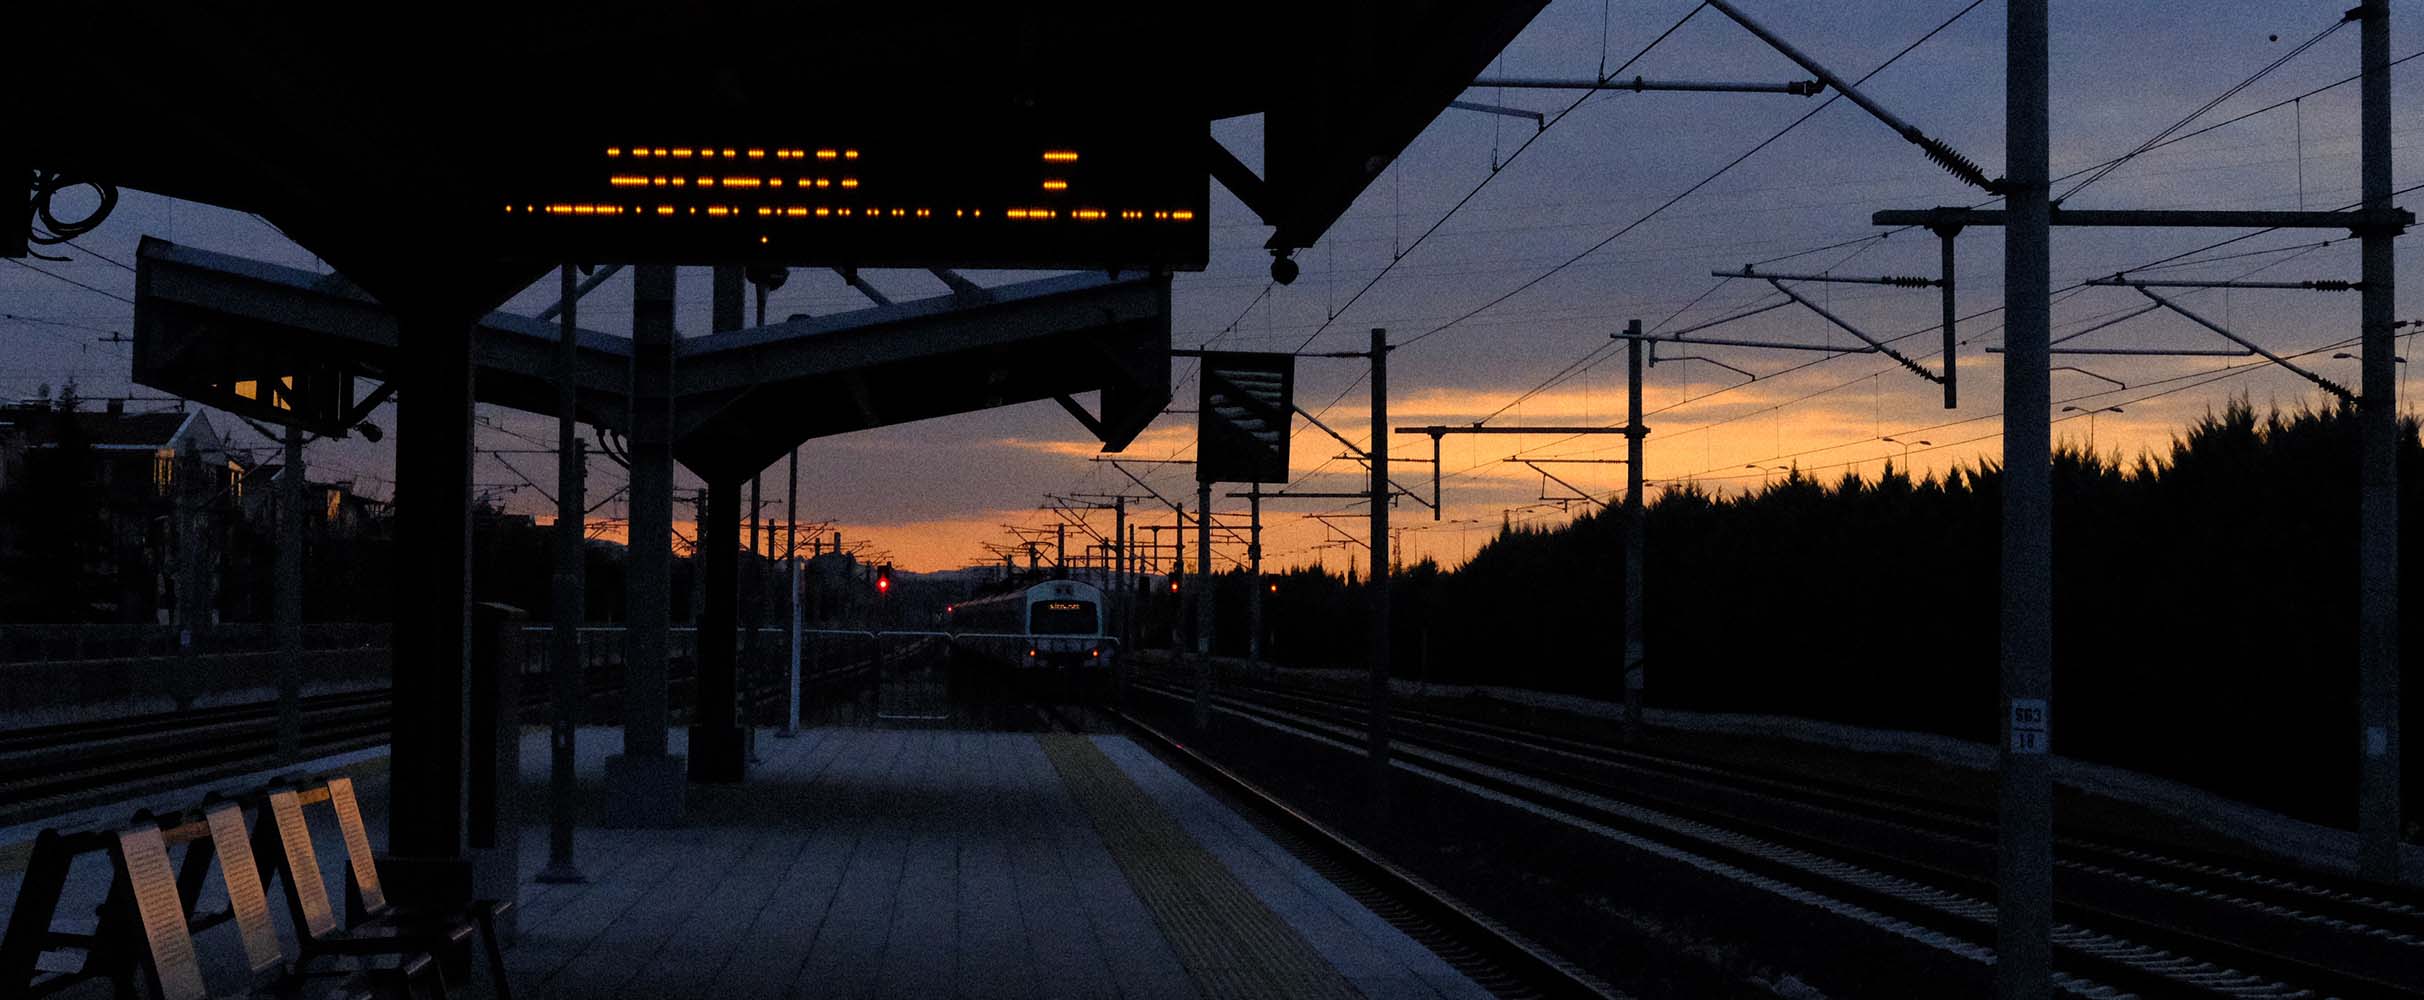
(2060, 295)
(1499, 167)
(2090, 395)
(1602, 351)
(60, 323)
(1703, 182)
(2103, 165)
(1991, 310)
(2234, 90)
(2201, 379)
(98, 255)
(72, 281)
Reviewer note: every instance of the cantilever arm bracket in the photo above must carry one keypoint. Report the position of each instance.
(1936, 150)
(2327, 385)
(1553, 477)
(1915, 367)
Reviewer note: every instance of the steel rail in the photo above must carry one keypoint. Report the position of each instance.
(162, 752)
(2223, 952)
(1538, 968)
(2342, 897)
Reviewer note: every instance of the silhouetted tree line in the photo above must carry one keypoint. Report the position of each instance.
(2205, 606)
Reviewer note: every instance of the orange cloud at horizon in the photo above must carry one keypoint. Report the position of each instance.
(1822, 423)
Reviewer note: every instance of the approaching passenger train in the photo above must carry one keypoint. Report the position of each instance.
(1056, 623)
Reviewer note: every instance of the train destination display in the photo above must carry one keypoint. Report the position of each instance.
(1017, 195)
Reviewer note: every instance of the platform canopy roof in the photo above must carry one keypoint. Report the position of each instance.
(382, 148)
(289, 345)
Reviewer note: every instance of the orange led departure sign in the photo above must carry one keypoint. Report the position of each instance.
(993, 201)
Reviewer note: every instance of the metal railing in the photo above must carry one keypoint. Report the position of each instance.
(70, 644)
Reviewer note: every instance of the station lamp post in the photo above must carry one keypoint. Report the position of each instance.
(1906, 450)
(1763, 470)
(2091, 420)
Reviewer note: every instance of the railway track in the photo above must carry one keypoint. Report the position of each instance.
(1486, 951)
(53, 769)
(2133, 919)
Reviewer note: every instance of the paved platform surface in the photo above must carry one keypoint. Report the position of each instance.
(894, 863)
(864, 862)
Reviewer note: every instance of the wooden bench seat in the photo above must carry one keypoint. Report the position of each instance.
(149, 908)
(282, 843)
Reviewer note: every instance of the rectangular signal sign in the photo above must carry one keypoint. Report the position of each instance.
(1244, 413)
(1009, 195)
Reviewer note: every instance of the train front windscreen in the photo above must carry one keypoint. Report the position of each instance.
(1061, 618)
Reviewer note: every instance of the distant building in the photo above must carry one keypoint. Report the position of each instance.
(330, 509)
(129, 490)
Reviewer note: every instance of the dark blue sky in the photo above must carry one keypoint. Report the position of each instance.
(930, 492)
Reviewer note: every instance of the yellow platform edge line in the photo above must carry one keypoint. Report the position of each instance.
(1232, 946)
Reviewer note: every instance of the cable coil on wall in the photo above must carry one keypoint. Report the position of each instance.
(47, 228)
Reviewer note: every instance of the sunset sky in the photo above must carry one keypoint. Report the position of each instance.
(930, 494)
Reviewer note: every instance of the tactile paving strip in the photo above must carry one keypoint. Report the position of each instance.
(1230, 943)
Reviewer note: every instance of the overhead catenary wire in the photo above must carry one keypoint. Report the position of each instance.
(1696, 186)
(1497, 167)
(1866, 242)
(1991, 310)
(1953, 423)
(98, 255)
(1653, 213)
(59, 323)
(2115, 164)
(61, 277)
(2061, 294)
(1873, 238)
(1600, 352)
(1603, 351)
(1690, 190)
(2176, 384)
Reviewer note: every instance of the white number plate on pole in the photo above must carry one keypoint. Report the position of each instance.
(2029, 725)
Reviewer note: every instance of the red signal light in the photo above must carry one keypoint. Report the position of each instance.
(883, 579)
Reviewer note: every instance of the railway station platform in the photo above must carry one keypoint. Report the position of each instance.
(928, 862)
(906, 862)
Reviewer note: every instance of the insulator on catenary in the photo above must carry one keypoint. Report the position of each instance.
(1953, 162)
